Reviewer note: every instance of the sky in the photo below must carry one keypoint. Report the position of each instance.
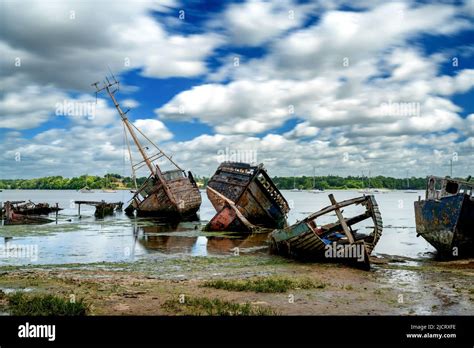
(305, 87)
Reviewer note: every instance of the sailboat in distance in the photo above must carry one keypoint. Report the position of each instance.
(169, 195)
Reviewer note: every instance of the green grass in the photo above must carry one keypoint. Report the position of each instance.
(215, 307)
(44, 305)
(267, 285)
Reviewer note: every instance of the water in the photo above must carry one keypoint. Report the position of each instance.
(119, 238)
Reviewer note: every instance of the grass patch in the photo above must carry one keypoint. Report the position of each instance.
(215, 307)
(268, 285)
(44, 305)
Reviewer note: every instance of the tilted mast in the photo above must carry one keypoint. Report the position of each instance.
(126, 122)
(154, 168)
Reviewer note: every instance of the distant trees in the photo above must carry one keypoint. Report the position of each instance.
(350, 182)
(112, 181)
(115, 181)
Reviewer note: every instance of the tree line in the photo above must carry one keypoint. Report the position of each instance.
(350, 182)
(109, 181)
(116, 181)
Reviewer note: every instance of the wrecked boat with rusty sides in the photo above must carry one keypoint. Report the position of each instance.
(27, 213)
(445, 218)
(349, 240)
(246, 199)
(167, 195)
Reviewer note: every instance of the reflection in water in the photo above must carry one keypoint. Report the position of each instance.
(184, 238)
(117, 238)
(168, 244)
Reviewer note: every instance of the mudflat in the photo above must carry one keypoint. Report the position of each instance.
(263, 284)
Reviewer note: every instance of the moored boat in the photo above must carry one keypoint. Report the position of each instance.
(86, 189)
(245, 198)
(315, 239)
(445, 218)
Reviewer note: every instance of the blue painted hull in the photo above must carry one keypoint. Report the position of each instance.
(447, 224)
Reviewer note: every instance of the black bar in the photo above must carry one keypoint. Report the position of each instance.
(332, 330)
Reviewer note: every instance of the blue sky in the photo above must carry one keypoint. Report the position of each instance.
(343, 87)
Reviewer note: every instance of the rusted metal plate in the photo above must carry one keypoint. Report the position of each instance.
(446, 217)
(441, 223)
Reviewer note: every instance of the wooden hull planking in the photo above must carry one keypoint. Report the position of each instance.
(184, 203)
(306, 240)
(245, 199)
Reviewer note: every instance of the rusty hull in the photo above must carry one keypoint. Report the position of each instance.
(445, 219)
(26, 213)
(246, 199)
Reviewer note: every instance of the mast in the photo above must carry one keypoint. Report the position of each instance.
(129, 127)
(154, 169)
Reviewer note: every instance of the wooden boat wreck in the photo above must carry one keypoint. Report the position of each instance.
(340, 240)
(102, 208)
(445, 218)
(245, 198)
(31, 208)
(27, 213)
(168, 195)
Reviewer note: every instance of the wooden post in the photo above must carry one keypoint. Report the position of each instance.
(57, 207)
(341, 219)
(8, 211)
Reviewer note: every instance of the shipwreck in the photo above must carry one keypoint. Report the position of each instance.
(445, 218)
(168, 195)
(27, 212)
(245, 198)
(342, 240)
(102, 208)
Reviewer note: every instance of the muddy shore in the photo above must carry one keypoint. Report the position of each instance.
(394, 286)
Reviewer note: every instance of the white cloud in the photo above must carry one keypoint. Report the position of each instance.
(49, 49)
(73, 44)
(302, 130)
(254, 22)
(29, 107)
(154, 129)
(341, 127)
(130, 103)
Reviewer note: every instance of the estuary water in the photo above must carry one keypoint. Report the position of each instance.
(118, 238)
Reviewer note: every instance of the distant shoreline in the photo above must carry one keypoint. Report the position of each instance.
(118, 182)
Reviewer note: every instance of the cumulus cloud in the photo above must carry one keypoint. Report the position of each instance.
(254, 22)
(360, 90)
(73, 44)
